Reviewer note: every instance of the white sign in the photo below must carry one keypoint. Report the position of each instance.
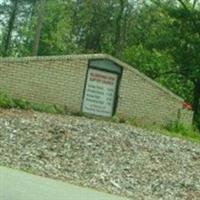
(99, 93)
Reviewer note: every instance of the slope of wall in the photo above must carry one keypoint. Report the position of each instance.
(60, 80)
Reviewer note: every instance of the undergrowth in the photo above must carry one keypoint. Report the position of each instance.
(8, 102)
(181, 130)
(173, 129)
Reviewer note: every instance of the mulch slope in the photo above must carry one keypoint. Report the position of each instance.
(115, 158)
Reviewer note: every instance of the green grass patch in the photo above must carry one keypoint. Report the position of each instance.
(173, 129)
(8, 102)
(181, 130)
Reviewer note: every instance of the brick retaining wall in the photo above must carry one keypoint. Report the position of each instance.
(60, 80)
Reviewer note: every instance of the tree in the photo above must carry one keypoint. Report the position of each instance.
(165, 45)
(186, 19)
(41, 10)
(181, 39)
(17, 31)
(58, 37)
(10, 26)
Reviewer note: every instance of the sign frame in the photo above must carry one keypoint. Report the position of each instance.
(117, 72)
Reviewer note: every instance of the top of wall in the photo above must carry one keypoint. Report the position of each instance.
(93, 56)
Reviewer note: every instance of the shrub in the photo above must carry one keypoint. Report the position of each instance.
(177, 127)
(22, 104)
(44, 108)
(6, 101)
(180, 129)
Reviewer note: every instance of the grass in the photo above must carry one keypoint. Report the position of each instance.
(181, 130)
(192, 136)
(173, 129)
(8, 102)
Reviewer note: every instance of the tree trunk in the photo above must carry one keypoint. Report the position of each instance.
(93, 38)
(196, 100)
(8, 34)
(93, 43)
(40, 18)
(117, 41)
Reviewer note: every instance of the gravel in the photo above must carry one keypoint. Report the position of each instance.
(116, 158)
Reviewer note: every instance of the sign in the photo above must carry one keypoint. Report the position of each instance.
(99, 93)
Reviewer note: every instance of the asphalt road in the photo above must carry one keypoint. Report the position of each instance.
(17, 185)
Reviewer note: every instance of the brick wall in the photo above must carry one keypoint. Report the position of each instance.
(60, 80)
(45, 80)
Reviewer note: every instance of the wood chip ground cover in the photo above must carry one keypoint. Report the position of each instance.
(115, 158)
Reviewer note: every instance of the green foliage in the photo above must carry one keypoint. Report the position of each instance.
(173, 129)
(44, 108)
(118, 119)
(8, 102)
(181, 130)
(22, 104)
(151, 62)
(178, 128)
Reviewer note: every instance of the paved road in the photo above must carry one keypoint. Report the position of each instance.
(17, 185)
